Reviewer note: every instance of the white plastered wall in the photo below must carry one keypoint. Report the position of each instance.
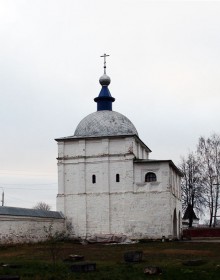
(131, 206)
(21, 229)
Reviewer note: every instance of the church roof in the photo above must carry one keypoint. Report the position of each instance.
(105, 123)
(17, 211)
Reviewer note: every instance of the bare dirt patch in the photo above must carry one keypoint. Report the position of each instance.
(179, 252)
(187, 252)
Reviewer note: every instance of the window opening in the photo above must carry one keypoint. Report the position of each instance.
(93, 179)
(150, 177)
(117, 178)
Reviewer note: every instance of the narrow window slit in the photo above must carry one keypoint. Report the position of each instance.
(117, 178)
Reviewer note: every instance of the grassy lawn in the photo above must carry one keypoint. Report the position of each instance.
(45, 261)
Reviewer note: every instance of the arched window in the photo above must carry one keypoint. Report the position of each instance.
(150, 177)
(93, 179)
(117, 178)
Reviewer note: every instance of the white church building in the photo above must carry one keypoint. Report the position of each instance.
(108, 185)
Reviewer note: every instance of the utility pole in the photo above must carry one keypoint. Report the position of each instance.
(191, 204)
(216, 203)
(3, 197)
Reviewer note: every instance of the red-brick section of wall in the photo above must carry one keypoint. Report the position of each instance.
(201, 232)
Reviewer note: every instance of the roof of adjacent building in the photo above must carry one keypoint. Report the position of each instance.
(169, 161)
(16, 211)
(187, 213)
(105, 123)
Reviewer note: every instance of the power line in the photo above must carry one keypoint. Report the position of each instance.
(29, 189)
(28, 184)
(27, 174)
(17, 198)
(24, 172)
(20, 170)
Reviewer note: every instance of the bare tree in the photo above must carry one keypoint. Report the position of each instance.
(42, 206)
(209, 154)
(193, 195)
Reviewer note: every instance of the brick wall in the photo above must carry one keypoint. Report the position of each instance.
(201, 233)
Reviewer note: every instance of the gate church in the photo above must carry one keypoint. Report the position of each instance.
(108, 185)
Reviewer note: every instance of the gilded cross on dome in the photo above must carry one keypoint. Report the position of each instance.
(104, 55)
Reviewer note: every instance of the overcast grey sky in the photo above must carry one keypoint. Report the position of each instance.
(164, 65)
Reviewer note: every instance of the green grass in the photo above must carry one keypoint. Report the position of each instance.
(36, 261)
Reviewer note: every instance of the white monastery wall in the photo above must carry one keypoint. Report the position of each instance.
(18, 229)
(97, 213)
(75, 210)
(140, 215)
(147, 215)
